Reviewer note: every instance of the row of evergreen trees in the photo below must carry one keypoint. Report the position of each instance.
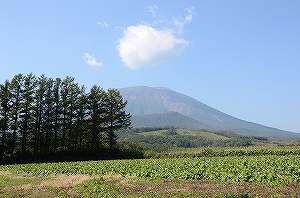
(40, 115)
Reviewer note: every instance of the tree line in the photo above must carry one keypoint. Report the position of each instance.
(41, 115)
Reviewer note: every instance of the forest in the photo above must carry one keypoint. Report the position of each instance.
(161, 137)
(41, 115)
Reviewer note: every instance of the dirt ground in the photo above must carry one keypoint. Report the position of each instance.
(55, 185)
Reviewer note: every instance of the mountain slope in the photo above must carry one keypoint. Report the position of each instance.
(167, 119)
(144, 100)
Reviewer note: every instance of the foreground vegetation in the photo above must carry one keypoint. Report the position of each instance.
(118, 186)
(246, 173)
(269, 169)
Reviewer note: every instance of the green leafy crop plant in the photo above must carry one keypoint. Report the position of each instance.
(271, 169)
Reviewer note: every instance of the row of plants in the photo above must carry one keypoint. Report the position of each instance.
(218, 152)
(271, 169)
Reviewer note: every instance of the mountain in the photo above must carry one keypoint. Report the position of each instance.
(167, 119)
(144, 100)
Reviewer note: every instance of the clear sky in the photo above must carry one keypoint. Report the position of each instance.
(240, 57)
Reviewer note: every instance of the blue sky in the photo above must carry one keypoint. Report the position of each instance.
(240, 57)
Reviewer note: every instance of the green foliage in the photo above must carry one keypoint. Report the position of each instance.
(42, 116)
(116, 116)
(210, 152)
(169, 136)
(274, 169)
(269, 169)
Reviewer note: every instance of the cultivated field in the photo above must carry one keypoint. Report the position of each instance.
(267, 174)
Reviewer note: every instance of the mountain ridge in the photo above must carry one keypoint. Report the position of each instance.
(143, 100)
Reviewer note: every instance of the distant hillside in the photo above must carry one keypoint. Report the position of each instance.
(150, 100)
(167, 119)
(186, 138)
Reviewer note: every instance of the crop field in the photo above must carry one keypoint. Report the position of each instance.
(229, 176)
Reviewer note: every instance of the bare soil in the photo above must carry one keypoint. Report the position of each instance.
(51, 186)
(184, 188)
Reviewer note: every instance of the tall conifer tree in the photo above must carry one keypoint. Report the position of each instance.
(16, 89)
(96, 112)
(27, 111)
(116, 118)
(81, 115)
(5, 97)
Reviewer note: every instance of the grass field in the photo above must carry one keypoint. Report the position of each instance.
(266, 175)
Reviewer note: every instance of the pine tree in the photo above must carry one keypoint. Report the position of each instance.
(44, 102)
(27, 112)
(69, 94)
(81, 114)
(49, 115)
(15, 105)
(39, 114)
(96, 112)
(116, 115)
(5, 97)
(57, 113)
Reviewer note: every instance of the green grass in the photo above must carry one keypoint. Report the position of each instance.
(10, 181)
(95, 188)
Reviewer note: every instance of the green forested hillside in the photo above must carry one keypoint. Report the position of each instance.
(170, 136)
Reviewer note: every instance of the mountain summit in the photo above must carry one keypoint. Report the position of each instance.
(144, 101)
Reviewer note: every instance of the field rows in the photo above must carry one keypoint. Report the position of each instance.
(235, 169)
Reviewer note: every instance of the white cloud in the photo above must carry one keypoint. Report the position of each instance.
(179, 22)
(90, 60)
(143, 45)
(189, 16)
(103, 24)
(153, 9)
